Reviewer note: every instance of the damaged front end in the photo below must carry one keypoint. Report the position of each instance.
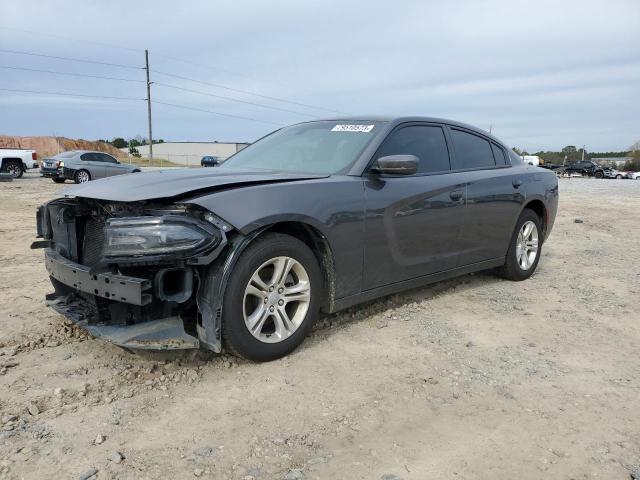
(133, 273)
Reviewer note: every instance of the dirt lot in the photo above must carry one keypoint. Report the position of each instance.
(475, 378)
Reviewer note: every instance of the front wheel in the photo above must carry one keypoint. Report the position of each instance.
(524, 250)
(599, 175)
(618, 177)
(272, 298)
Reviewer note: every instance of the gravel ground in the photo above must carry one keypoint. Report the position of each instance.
(473, 378)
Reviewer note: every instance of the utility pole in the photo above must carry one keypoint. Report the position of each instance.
(146, 61)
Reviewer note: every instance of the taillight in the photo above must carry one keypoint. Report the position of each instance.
(34, 156)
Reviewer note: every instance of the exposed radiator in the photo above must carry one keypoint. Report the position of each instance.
(92, 242)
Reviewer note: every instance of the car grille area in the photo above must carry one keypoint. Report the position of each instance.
(92, 241)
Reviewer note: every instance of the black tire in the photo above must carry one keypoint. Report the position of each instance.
(618, 177)
(136, 171)
(13, 167)
(599, 175)
(235, 334)
(511, 269)
(59, 180)
(78, 173)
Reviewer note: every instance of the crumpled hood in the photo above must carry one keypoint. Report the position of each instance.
(174, 182)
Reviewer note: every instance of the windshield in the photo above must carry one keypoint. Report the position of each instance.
(323, 147)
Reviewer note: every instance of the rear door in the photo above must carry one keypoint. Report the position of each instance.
(412, 223)
(93, 164)
(494, 195)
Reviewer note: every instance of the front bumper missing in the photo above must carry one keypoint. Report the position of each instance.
(106, 285)
(163, 334)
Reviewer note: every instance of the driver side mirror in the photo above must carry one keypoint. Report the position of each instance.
(396, 165)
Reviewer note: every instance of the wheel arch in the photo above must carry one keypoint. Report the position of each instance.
(321, 248)
(540, 209)
(214, 277)
(6, 160)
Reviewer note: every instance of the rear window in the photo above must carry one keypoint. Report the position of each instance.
(498, 155)
(515, 158)
(471, 150)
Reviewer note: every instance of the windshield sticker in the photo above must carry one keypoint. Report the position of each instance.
(352, 128)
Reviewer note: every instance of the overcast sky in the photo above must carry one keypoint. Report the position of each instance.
(542, 74)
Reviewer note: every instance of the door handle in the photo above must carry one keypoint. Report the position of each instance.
(456, 195)
(517, 183)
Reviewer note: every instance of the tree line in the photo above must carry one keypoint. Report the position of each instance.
(134, 142)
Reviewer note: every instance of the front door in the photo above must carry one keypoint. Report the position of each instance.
(413, 223)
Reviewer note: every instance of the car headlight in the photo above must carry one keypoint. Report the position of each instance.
(153, 236)
(61, 164)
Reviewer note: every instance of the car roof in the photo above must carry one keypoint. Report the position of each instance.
(86, 151)
(396, 120)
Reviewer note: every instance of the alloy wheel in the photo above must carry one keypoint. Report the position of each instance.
(14, 170)
(83, 176)
(527, 245)
(276, 299)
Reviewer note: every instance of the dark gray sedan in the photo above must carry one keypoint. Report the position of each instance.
(315, 217)
(82, 166)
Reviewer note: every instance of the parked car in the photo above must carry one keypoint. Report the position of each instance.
(210, 161)
(16, 162)
(613, 173)
(586, 167)
(633, 175)
(82, 166)
(318, 216)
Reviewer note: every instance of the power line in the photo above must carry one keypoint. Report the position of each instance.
(75, 40)
(65, 94)
(230, 98)
(247, 92)
(122, 47)
(71, 74)
(94, 62)
(18, 52)
(185, 107)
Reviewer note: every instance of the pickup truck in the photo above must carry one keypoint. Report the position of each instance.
(586, 167)
(16, 162)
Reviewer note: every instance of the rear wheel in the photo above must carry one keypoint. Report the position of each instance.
(13, 168)
(525, 247)
(82, 176)
(59, 180)
(272, 298)
(618, 177)
(599, 175)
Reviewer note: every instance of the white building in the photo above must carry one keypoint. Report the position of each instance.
(190, 153)
(531, 159)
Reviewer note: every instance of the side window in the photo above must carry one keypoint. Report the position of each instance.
(498, 155)
(515, 158)
(425, 142)
(471, 150)
(87, 157)
(106, 158)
